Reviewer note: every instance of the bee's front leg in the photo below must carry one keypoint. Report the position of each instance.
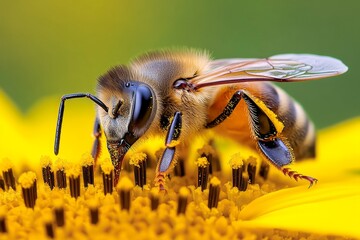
(165, 164)
(96, 145)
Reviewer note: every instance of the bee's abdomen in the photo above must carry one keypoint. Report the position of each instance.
(299, 130)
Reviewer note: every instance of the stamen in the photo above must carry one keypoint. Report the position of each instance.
(154, 198)
(88, 170)
(203, 172)
(237, 165)
(49, 228)
(8, 174)
(244, 182)
(182, 200)
(74, 181)
(214, 193)
(94, 211)
(47, 172)
(108, 176)
(59, 213)
(209, 152)
(3, 228)
(216, 163)
(251, 169)
(2, 183)
(60, 174)
(179, 169)
(29, 189)
(124, 187)
(138, 160)
(264, 170)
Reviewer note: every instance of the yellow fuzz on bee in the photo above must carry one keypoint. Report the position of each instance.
(271, 115)
(173, 143)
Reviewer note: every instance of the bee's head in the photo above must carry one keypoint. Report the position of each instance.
(131, 110)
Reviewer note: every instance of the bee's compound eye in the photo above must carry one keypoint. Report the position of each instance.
(181, 84)
(143, 109)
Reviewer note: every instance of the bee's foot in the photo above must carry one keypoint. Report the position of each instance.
(295, 175)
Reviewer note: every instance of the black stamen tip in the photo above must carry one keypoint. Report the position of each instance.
(179, 169)
(3, 228)
(2, 183)
(251, 169)
(214, 193)
(47, 172)
(124, 188)
(203, 172)
(88, 175)
(138, 161)
(94, 215)
(9, 179)
(244, 182)
(60, 174)
(49, 228)
(108, 176)
(48, 176)
(93, 211)
(209, 152)
(61, 178)
(29, 188)
(74, 182)
(264, 170)
(88, 170)
(182, 200)
(59, 213)
(154, 198)
(237, 165)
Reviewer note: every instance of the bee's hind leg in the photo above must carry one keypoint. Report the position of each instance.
(95, 152)
(165, 163)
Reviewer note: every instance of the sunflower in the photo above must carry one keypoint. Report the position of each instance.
(239, 198)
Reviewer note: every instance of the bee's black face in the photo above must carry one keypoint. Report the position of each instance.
(128, 118)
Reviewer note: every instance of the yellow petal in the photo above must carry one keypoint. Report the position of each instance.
(77, 128)
(11, 129)
(338, 157)
(328, 209)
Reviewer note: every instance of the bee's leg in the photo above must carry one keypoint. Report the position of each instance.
(272, 147)
(229, 108)
(166, 161)
(295, 175)
(96, 145)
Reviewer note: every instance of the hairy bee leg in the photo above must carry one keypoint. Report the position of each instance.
(295, 175)
(96, 145)
(61, 113)
(168, 156)
(273, 148)
(229, 108)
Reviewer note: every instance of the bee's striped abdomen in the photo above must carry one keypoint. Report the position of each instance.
(299, 130)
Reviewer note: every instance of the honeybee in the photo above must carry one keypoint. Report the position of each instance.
(179, 94)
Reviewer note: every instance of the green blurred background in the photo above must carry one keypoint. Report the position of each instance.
(57, 47)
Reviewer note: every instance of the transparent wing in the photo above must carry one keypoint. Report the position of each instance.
(280, 68)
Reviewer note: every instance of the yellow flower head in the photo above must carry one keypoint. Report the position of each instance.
(241, 199)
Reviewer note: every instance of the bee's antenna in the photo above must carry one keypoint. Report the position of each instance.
(116, 108)
(61, 113)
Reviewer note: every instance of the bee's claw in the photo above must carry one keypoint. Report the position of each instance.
(295, 175)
